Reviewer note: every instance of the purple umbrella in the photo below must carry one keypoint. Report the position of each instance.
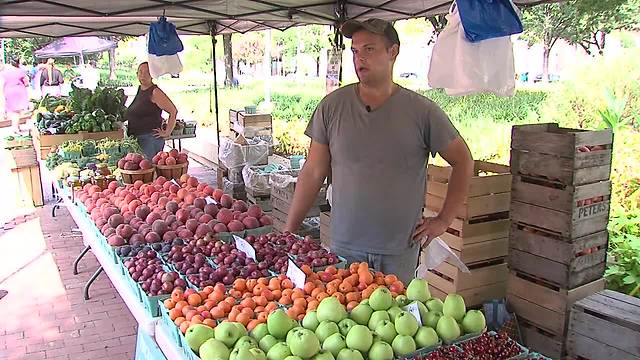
(74, 46)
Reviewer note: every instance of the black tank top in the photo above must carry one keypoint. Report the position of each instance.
(143, 115)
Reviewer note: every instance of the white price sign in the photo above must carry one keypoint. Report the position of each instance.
(415, 311)
(297, 276)
(210, 200)
(245, 247)
(175, 182)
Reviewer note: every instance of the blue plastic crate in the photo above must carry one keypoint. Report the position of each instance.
(170, 326)
(146, 347)
(189, 354)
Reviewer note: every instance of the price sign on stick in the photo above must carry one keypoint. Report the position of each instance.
(175, 182)
(297, 276)
(245, 247)
(210, 200)
(415, 311)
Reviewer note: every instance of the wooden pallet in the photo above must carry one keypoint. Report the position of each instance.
(605, 325)
(543, 304)
(565, 264)
(550, 152)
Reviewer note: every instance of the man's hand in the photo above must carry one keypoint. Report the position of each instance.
(161, 134)
(428, 229)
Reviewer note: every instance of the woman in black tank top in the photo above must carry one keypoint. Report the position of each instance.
(144, 114)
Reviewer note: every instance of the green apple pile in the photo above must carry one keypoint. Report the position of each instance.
(228, 341)
(379, 328)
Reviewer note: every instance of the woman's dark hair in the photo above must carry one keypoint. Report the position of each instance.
(143, 63)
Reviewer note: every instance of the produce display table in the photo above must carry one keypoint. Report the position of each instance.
(166, 343)
(173, 139)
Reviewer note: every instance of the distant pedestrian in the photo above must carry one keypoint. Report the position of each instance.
(14, 90)
(51, 79)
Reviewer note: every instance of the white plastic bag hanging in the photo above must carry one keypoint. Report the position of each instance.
(462, 67)
(435, 254)
(162, 65)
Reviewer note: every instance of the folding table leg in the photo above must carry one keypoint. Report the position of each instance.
(91, 280)
(77, 260)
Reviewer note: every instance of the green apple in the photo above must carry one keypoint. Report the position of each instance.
(376, 317)
(241, 354)
(326, 329)
(435, 304)
(361, 313)
(278, 351)
(432, 319)
(213, 349)
(245, 342)
(260, 331)
(406, 324)
(334, 344)
(279, 324)
(393, 312)
(228, 333)
(304, 343)
(293, 357)
(454, 306)
(197, 334)
(473, 322)
(346, 325)
(359, 338)
(418, 289)
(403, 344)
(242, 330)
(310, 321)
(258, 354)
(380, 299)
(402, 300)
(331, 309)
(425, 336)
(365, 301)
(267, 342)
(349, 354)
(386, 330)
(323, 355)
(447, 328)
(292, 332)
(381, 350)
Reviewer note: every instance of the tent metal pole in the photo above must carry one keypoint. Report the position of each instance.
(212, 32)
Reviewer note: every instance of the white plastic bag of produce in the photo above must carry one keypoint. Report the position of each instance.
(462, 67)
(435, 254)
(162, 65)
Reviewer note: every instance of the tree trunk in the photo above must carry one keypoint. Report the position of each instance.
(601, 42)
(318, 66)
(112, 64)
(228, 59)
(545, 63)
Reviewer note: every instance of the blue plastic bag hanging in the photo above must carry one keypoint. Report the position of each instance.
(487, 19)
(163, 38)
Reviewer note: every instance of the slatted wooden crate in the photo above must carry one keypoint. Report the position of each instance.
(250, 124)
(29, 185)
(605, 325)
(280, 220)
(489, 190)
(262, 200)
(25, 157)
(564, 264)
(236, 190)
(567, 156)
(570, 212)
(542, 341)
(325, 228)
(543, 304)
(488, 281)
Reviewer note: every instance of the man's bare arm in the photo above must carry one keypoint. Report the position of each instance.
(316, 169)
(457, 154)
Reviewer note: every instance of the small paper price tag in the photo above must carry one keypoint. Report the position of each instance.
(245, 247)
(297, 276)
(415, 311)
(175, 182)
(210, 200)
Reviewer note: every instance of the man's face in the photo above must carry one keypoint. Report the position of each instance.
(373, 57)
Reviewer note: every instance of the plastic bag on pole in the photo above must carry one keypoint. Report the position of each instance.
(462, 67)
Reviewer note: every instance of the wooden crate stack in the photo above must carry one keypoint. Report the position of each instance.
(478, 235)
(325, 228)
(25, 171)
(558, 238)
(281, 200)
(605, 325)
(231, 182)
(250, 124)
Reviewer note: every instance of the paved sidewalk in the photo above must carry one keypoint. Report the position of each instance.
(44, 315)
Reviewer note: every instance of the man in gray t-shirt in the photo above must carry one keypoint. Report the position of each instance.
(374, 139)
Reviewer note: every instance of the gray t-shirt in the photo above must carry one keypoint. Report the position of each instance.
(378, 165)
